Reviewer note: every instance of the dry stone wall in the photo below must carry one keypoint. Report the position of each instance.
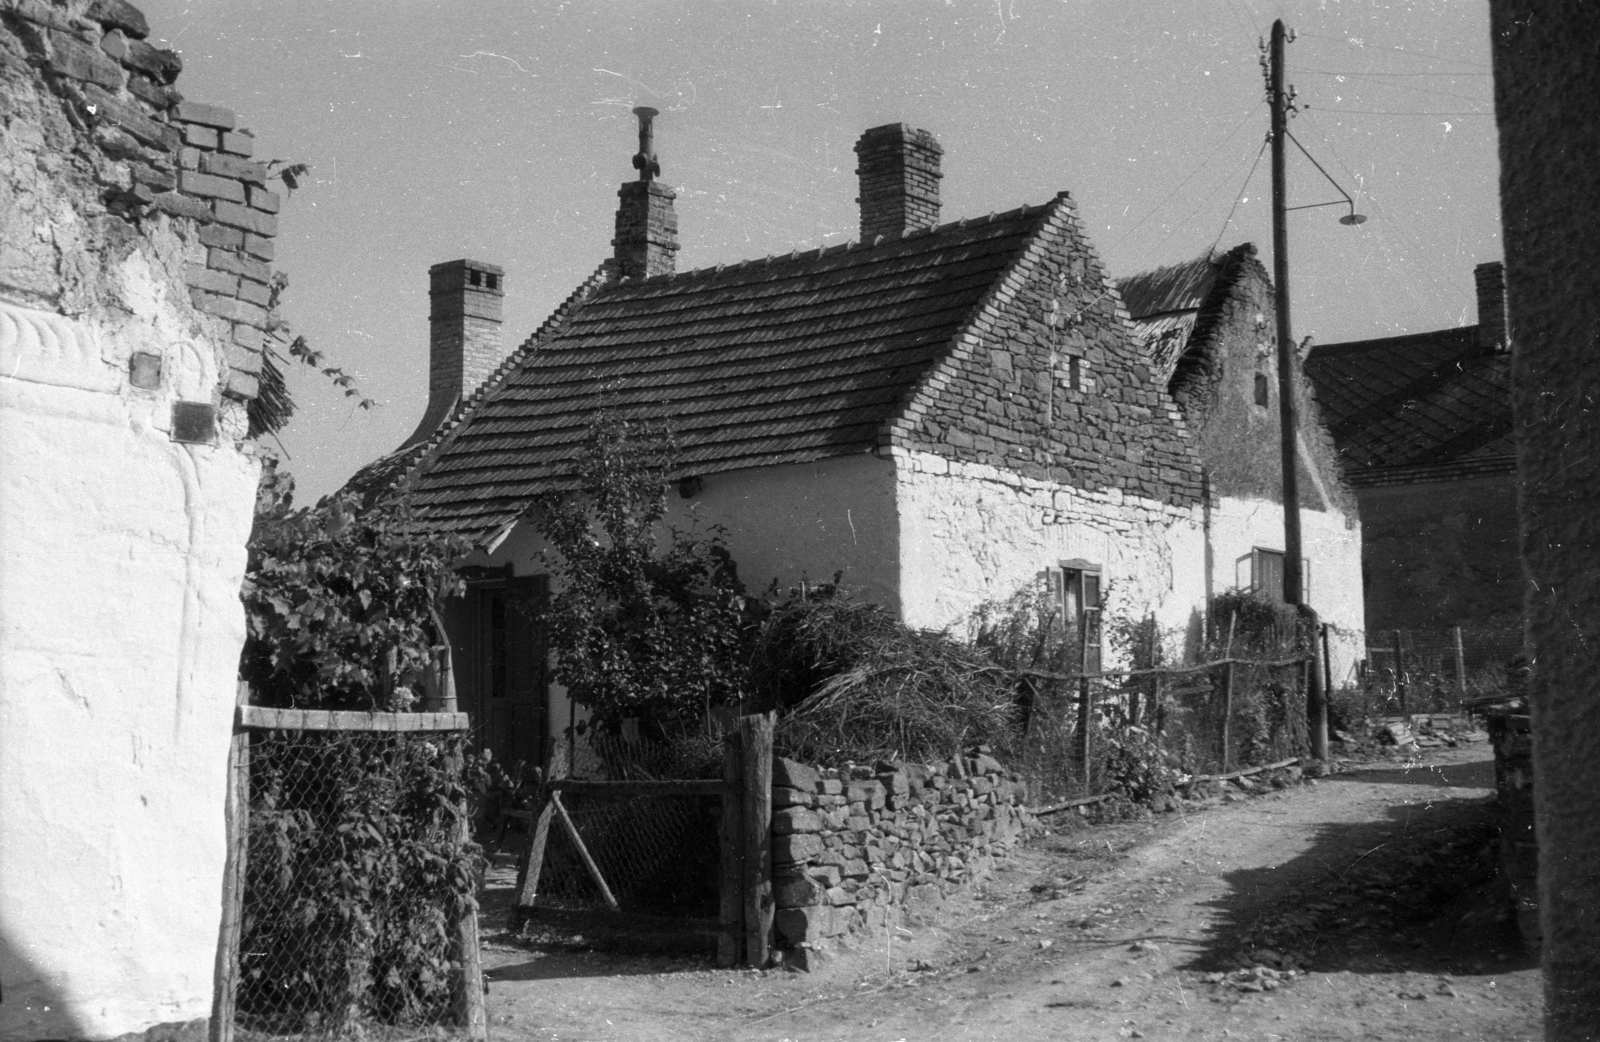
(854, 849)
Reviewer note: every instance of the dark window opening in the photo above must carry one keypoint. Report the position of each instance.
(1075, 373)
(1261, 389)
(1075, 589)
(475, 278)
(493, 280)
(194, 423)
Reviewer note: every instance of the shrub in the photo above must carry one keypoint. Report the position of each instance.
(340, 602)
(855, 684)
(646, 622)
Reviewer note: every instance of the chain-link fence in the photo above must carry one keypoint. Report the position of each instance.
(355, 917)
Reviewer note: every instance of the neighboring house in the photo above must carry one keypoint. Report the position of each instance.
(948, 413)
(130, 336)
(1207, 326)
(1423, 427)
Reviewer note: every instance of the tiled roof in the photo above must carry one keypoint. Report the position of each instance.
(782, 360)
(1419, 400)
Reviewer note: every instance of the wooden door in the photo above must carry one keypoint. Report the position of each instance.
(508, 703)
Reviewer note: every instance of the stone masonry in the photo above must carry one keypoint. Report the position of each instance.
(647, 230)
(1049, 381)
(855, 849)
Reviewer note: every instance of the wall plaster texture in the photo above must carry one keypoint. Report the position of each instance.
(121, 556)
(122, 551)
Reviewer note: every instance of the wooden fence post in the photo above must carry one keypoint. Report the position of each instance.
(730, 861)
(528, 885)
(1316, 694)
(236, 822)
(1400, 673)
(1461, 664)
(755, 734)
(1085, 703)
(1227, 710)
(474, 1019)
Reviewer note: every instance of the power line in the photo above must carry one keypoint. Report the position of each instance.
(1396, 112)
(1203, 164)
(1398, 50)
(1242, 189)
(1330, 72)
(1402, 86)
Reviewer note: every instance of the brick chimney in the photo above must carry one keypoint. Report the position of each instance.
(647, 228)
(464, 306)
(899, 172)
(1493, 325)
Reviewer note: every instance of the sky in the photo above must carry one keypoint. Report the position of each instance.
(500, 130)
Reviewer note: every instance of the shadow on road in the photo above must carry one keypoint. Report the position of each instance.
(1418, 891)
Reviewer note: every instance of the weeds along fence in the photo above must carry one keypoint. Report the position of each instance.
(349, 908)
(1088, 734)
(1416, 670)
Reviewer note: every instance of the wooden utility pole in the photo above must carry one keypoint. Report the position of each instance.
(1288, 420)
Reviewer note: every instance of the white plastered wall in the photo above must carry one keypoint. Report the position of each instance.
(1332, 546)
(781, 524)
(121, 557)
(971, 533)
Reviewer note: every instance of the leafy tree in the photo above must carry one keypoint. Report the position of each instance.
(647, 620)
(341, 602)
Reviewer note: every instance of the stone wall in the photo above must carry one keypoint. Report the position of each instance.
(854, 850)
(1050, 382)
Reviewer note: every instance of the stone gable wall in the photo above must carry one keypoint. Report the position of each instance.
(854, 850)
(1005, 397)
(1215, 388)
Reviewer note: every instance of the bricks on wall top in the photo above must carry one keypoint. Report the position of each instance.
(186, 159)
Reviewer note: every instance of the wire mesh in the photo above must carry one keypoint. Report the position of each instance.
(658, 853)
(1427, 666)
(358, 876)
(1200, 725)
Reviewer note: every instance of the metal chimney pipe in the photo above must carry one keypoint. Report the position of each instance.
(645, 161)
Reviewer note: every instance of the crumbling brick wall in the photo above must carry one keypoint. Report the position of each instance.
(854, 850)
(105, 158)
(135, 291)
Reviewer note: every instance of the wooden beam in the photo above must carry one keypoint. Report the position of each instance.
(528, 886)
(236, 819)
(755, 735)
(474, 1018)
(267, 718)
(730, 855)
(661, 787)
(583, 852)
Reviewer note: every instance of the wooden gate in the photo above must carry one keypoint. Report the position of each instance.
(742, 928)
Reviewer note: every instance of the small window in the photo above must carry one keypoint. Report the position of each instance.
(1075, 373)
(493, 280)
(475, 278)
(1262, 393)
(1075, 589)
(194, 423)
(1266, 574)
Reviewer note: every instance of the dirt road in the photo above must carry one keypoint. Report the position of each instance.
(1361, 907)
